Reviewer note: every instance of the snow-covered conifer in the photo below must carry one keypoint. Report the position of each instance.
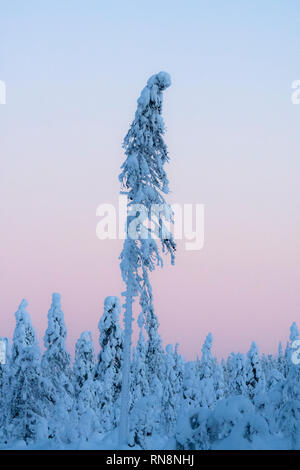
(211, 383)
(85, 387)
(108, 370)
(25, 408)
(56, 360)
(281, 362)
(57, 372)
(190, 386)
(255, 379)
(144, 180)
(236, 370)
(289, 413)
(84, 364)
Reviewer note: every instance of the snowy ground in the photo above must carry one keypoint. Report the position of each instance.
(110, 442)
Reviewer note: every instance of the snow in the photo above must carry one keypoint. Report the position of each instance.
(246, 402)
(151, 399)
(188, 412)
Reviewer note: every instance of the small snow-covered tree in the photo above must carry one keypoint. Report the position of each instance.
(207, 362)
(179, 366)
(108, 370)
(84, 364)
(272, 369)
(294, 336)
(219, 382)
(57, 372)
(145, 417)
(56, 361)
(172, 388)
(85, 387)
(4, 368)
(190, 386)
(236, 370)
(25, 408)
(211, 383)
(254, 373)
(281, 361)
(289, 413)
(144, 181)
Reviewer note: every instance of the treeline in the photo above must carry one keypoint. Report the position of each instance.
(248, 400)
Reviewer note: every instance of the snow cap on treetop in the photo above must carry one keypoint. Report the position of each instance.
(208, 340)
(253, 348)
(22, 314)
(161, 79)
(112, 302)
(85, 336)
(23, 305)
(56, 299)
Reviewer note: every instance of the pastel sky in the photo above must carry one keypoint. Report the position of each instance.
(73, 71)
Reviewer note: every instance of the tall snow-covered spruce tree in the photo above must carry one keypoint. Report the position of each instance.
(108, 369)
(24, 402)
(144, 181)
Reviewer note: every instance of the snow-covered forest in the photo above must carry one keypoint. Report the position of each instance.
(145, 397)
(48, 401)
